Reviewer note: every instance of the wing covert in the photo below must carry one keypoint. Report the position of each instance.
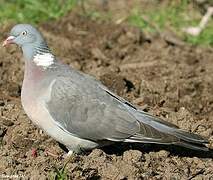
(89, 112)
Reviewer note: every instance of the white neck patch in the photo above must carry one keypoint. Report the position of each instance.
(44, 60)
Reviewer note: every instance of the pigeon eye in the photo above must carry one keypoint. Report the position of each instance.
(24, 33)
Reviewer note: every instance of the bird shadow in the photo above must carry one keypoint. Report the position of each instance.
(120, 148)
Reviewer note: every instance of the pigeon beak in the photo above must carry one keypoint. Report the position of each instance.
(9, 40)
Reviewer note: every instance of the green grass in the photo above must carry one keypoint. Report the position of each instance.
(59, 174)
(175, 17)
(30, 11)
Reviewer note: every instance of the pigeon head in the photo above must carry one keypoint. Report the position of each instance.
(23, 35)
(31, 41)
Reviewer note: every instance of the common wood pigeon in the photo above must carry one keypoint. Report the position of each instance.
(79, 111)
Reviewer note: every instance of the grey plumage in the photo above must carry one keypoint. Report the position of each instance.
(82, 113)
(95, 113)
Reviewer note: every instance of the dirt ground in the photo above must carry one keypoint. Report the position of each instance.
(171, 81)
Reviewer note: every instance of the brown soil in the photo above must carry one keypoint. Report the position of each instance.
(170, 81)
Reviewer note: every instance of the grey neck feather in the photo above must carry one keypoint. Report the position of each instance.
(31, 50)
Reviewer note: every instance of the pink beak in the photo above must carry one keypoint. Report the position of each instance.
(9, 40)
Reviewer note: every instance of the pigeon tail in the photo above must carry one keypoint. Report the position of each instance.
(170, 133)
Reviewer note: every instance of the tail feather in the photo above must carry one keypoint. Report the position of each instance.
(170, 133)
(197, 147)
(189, 137)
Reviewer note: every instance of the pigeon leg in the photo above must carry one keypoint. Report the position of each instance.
(68, 155)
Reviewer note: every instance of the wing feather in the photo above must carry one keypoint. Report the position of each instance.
(89, 113)
(89, 110)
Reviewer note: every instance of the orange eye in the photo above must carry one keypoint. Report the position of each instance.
(24, 33)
